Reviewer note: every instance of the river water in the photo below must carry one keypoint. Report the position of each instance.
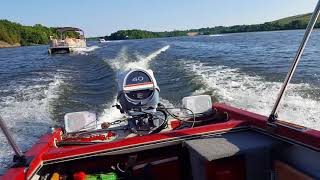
(244, 70)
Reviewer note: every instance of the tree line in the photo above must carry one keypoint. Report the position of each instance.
(15, 33)
(142, 34)
(268, 26)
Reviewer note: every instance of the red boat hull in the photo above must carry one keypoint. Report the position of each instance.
(45, 151)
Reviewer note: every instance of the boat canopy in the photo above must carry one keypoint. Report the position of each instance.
(64, 29)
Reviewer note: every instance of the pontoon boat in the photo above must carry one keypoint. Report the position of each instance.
(66, 43)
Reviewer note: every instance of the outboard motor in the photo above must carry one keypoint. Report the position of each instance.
(138, 92)
(138, 95)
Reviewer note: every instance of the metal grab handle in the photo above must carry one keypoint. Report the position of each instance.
(10, 139)
(295, 63)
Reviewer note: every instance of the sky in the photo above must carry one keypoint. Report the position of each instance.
(102, 17)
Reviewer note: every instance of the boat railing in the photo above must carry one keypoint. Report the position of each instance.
(67, 42)
(313, 19)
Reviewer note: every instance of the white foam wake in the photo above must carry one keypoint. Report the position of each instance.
(110, 114)
(215, 35)
(145, 60)
(27, 115)
(121, 63)
(85, 50)
(254, 94)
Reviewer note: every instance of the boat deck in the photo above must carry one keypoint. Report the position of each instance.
(245, 146)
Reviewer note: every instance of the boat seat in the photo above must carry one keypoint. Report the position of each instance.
(284, 171)
(255, 147)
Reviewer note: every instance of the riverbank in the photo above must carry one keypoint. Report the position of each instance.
(288, 23)
(7, 45)
(14, 34)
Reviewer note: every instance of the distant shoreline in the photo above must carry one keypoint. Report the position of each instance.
(38, 34)
(4, 45)
(288, 23)
(7, 45)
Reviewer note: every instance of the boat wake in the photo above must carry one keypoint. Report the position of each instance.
(122, 63)
(86, 50)
(215, 35)
(27, 114)
(110, 114)
(254, 94)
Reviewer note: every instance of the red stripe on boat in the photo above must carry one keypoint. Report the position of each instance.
(140, 84)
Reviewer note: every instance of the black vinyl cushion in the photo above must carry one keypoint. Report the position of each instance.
(231, 144)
